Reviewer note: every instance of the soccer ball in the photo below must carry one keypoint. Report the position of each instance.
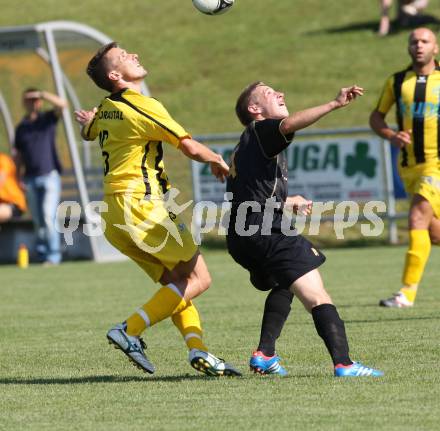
(213, 7)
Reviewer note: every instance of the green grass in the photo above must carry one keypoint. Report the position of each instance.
(57, 371)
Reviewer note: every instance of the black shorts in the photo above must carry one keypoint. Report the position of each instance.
(274, 261)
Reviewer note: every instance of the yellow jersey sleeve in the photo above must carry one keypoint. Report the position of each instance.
(90, 131)
(387, 98)
(158, 124)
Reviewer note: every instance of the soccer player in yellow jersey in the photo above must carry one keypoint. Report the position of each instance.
(130, 128)
(416, 93)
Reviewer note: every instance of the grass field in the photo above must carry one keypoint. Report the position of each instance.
(57, 371)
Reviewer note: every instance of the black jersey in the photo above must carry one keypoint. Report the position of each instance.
(259, 165)
(258, 171)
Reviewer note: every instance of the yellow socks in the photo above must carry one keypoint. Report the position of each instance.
(416, 258)
(410, 292)
(188, 323)
(165, 302)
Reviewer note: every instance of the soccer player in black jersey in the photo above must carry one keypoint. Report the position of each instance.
(285, 265)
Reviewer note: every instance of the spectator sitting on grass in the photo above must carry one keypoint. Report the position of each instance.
(12, 200)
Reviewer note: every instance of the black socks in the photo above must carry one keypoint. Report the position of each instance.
(331, 329)
(276, 311)
(328, 324)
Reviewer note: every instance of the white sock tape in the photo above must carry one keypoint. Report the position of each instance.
(174, 288)
(144, 316)
(192, 335)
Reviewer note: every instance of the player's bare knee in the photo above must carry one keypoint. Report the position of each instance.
(203, 281)
(314, 300)
(434, 236)
(322, 298)
(416, 220)
(206, 281)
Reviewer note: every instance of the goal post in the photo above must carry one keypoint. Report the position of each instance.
(54, 55)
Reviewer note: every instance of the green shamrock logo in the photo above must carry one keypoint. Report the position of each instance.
(360, 163)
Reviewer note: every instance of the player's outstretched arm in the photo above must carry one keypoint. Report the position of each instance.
(84, 117)
(299, 205)
(399, 139)
(302, 119)
(200, 153)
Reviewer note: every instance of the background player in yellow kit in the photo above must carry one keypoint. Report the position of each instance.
(416, 93)
(139, 222)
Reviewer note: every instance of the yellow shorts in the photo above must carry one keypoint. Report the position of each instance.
(425, 182)
(148, 233)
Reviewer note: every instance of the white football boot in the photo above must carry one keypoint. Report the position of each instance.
(210, 365)
(398, 300)
(133, 347)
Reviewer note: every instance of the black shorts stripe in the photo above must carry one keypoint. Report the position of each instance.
(419, 119)
(145, 171)
(159, 170)
(117, 97)
(437, 67)
(397, 86)
(438, 136)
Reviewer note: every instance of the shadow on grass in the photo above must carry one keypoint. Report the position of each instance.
(97, 379)
(358, 26)
(396, 27)
(146, 379)
(359, 305)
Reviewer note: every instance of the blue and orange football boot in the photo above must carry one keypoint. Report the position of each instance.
(356, 369)
(262, 364)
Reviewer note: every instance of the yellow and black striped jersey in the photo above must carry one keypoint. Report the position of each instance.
(130, 128)
(417, 99)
